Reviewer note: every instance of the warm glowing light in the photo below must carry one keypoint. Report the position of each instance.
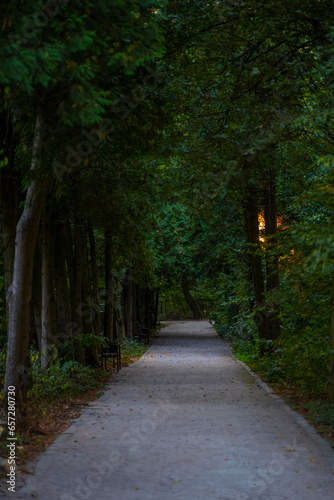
(262, 225)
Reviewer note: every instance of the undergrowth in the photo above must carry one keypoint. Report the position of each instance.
(66, 377)
(61, 379)
(132, 350)
(298, 372)
(57, 394)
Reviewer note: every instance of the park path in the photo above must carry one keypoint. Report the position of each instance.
(186, 421)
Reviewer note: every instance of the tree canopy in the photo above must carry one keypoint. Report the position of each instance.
(160, 159)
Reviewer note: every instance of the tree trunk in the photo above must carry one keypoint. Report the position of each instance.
(48, 337)
(70, 254)
(330, 387)
(76, 289)
(64, 325)
(142, 306)
(129, 306)
(87, 310)
(122, 311)
(252, 227)
(270, 215)
(109, 289)
(134, 309)
(96, 294)
(147, 307)
(36, 294)
(156, 309)
(19, 293)
(189, 298)
(9, 199)
(119, 330)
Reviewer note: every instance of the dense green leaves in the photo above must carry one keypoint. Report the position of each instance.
(168, 127)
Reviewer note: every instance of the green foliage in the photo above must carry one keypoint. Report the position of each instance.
(173, 303)
(132, 349)
(79, 342)
(322, 413)
(61, 379)
(296, 361)
(233, 316)
(247, 91)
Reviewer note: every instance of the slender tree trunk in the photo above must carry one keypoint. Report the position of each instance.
(147, 307)
(76, 299)
(129, 306)
(330, 387)
(76, 289)
(91, 355)
(139, 308)
(96, 295)
(119, 321)
(86, 310)
(64, 325)
(156, 309)
(36, 295)
(122, 312)
(142, 307)
(270, 214)
(9, 199)
(109, 289)
(19, 293)
(70, 254)
(152, 308)
(134, 309)
(48, 337)
(252, 228)
(189, 298)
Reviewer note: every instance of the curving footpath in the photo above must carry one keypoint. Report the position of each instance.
(187, 421)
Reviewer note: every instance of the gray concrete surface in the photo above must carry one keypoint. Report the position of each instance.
(187, 421)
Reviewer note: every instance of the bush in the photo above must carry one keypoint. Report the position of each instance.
(132, 349)
(61, 379)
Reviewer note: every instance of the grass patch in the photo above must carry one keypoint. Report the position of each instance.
(132, 350)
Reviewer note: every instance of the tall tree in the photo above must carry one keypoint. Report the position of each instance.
(62, 74)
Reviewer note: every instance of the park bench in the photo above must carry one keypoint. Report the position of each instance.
(143, 333)
(111, 351)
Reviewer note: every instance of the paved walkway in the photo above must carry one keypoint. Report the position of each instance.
(186, 422)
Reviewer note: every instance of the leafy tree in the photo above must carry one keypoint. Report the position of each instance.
(62, 74)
